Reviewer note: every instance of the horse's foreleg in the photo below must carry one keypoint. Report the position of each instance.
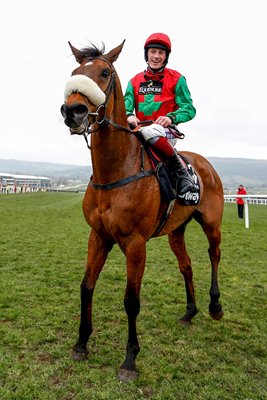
(135, 255)
(97, 255)
(177, 243)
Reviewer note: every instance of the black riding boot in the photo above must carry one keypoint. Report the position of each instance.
(185, 180)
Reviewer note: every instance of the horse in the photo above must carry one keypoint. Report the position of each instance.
(123, 203)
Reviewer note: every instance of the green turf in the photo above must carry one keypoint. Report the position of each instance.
(43, 244)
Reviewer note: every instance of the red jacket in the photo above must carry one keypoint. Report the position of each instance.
(163, 93)
(240, 200)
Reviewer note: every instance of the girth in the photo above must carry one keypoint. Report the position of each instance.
(122, 182)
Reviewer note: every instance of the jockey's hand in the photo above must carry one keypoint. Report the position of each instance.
(163, 121)
(133, 121)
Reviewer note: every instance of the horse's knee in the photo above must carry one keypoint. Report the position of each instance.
(187, 272)
(86, 293)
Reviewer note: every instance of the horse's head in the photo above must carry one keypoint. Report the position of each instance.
(89, 92)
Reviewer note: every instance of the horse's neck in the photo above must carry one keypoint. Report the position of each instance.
(115, 154)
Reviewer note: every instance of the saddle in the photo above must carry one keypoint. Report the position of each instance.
(168, 179)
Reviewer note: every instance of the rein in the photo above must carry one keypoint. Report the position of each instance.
(107, 121)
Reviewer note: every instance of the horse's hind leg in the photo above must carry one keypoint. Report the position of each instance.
(213, 233)
(214, 238)
(97, 255)
(177, 244)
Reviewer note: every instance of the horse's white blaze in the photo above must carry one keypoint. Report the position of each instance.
(85, 86)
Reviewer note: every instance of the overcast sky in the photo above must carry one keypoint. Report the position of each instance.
(219, 46)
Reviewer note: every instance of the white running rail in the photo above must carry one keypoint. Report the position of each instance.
(248, 198)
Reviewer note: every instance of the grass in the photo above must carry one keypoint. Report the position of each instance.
(43, 244)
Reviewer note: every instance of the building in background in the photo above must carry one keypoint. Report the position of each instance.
(13, 183)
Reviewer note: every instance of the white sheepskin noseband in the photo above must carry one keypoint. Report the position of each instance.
(85, 86)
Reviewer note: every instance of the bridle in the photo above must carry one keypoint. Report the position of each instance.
(100, 115)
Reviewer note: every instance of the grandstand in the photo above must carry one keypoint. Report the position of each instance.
(13, 183)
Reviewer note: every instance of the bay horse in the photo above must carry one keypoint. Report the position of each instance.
(123, 202)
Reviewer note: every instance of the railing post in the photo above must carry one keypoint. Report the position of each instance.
(246, 214)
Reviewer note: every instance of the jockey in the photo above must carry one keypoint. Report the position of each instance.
(160, 94)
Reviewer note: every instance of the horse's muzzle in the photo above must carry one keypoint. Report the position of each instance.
(75, 117)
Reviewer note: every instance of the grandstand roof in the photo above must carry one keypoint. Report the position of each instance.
(23, 176)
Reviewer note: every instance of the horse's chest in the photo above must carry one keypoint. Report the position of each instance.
(116, 216)
(105, 215)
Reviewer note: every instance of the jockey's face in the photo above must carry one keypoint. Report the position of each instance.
(156, 58)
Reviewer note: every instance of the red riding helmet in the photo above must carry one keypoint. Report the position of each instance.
(158, 40)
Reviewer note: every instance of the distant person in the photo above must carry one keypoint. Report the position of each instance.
(240, 202)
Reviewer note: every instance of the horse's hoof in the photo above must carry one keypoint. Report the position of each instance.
(191, 311)
(185, 322)
(79, 355)
(126, 375)
(217, 316)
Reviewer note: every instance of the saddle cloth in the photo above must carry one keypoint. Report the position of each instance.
(190, 198)
(168, 180)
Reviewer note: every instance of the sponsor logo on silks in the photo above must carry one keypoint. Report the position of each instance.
(190, 196)
(150, 87)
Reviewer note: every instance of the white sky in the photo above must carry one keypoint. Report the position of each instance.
(219, 46)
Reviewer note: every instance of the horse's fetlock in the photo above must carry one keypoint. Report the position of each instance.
(132, 349)
(191, 309)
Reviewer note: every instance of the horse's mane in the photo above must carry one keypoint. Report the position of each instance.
(93, 51)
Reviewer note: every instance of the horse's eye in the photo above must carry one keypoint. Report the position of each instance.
(105, 73)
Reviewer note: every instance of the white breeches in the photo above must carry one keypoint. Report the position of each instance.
(155, 130)
(152, 131)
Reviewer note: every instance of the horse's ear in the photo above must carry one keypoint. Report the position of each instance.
(114, 54)
(77, 53)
